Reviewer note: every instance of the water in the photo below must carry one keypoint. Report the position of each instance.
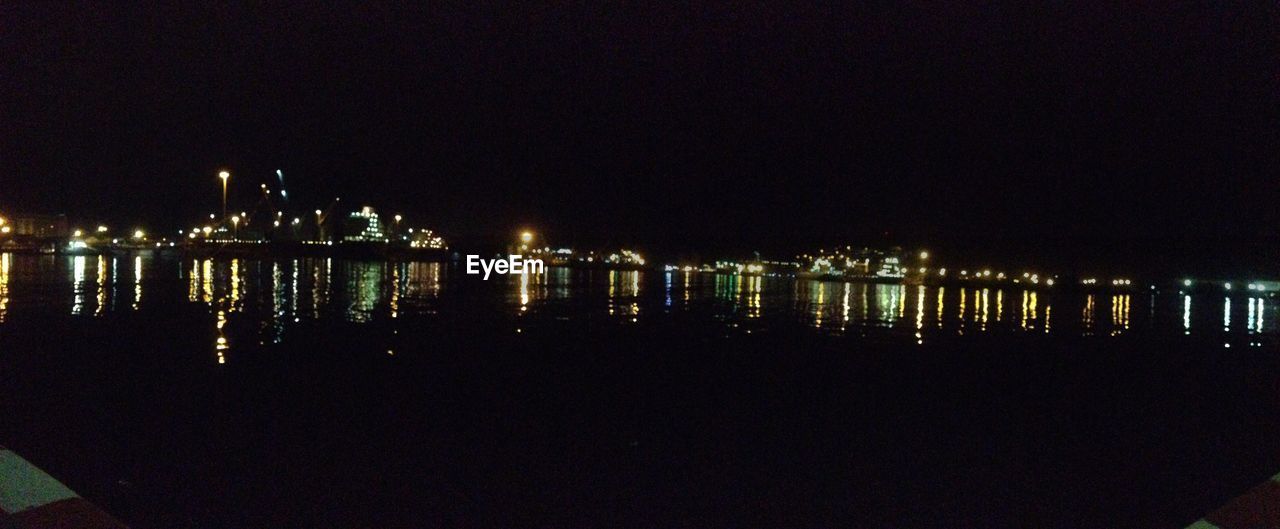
(316, 392)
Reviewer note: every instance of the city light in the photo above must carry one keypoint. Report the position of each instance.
(77, 234)
(102, 229)
(526, 237)
(924, 255)
(139, 234)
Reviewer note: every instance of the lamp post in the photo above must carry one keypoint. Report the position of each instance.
(224, 176)
(235, 228)
(319, 225)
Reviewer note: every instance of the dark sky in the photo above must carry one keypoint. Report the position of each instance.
(759, 125)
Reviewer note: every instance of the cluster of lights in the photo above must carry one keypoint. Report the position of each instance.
(1120, 282)
(425, 238)
(846, 260)
(626, 257)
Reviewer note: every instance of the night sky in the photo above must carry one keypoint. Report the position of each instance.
(766, 125)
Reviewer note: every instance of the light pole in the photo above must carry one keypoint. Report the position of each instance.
(235, 228)
(319, 226)
(224, 176)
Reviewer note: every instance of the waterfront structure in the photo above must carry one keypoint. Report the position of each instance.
(425, 239)
(859, 263)
(40, 226)
(363, 226)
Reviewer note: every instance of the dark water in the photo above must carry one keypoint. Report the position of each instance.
(319, 393)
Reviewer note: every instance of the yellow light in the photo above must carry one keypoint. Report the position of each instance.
(526, 237)
(138, 234)
(102, 229)
(235, 219)
(224, 175)
(317, 213)
(3, 221)
(398, 217)
(924, 255)
(77, 233)
(4, 229)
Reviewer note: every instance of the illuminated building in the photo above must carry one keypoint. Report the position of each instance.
(363, 226)
(425, 239)
(625, 257)
(862, 263)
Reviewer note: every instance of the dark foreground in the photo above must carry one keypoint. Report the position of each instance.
(662, 425)
(467, 416)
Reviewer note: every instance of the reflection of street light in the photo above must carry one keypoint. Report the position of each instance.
(224, 176)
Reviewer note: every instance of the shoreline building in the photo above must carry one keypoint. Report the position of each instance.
(364, 226)
(41, 226)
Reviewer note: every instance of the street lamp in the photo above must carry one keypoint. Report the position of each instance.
(235, 227)
(224, 176)
(319, 225)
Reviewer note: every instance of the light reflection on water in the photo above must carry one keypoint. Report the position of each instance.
(273, 295)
